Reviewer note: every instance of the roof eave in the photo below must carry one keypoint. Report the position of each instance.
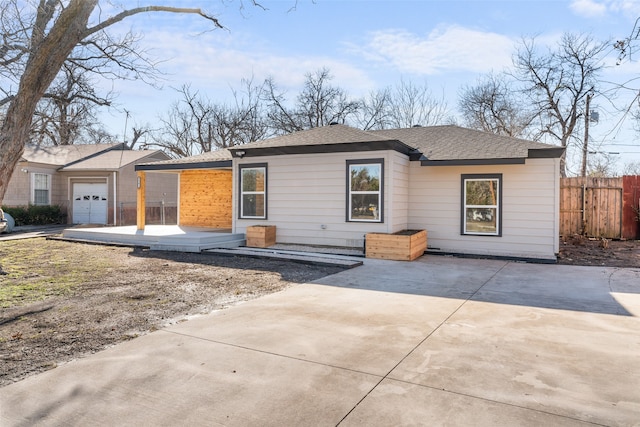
(533, 153)
(183, 166)
(347, 147)
(120, 146)
(545, 153)
(88, 169)
(473, 162)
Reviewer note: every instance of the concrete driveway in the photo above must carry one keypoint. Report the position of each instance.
(438, 341)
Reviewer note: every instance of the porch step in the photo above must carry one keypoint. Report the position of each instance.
(198, 247)
(302, 257)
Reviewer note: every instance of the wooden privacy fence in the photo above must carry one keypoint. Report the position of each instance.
(599, 207)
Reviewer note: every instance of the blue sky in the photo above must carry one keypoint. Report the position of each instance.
(367, 45)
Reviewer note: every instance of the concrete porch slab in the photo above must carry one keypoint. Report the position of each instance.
(160, 237)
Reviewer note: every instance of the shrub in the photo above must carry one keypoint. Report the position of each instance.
(36, 215)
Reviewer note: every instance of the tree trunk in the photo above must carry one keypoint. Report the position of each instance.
(44, 63)
(53, 38)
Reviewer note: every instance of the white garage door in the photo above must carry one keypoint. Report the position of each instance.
(89, 203)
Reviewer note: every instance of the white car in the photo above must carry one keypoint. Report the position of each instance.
(6, 222)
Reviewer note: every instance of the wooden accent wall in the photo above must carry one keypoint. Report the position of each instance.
(206, 198)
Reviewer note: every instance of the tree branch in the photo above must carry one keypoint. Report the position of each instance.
(122, 15)
(6, 100)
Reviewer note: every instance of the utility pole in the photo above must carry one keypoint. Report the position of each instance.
(585, 147)
(126, 121)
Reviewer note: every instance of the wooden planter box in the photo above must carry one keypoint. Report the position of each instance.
(261, 236)
(405, 245)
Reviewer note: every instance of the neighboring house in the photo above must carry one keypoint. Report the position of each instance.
(474, 192)
(88, 181)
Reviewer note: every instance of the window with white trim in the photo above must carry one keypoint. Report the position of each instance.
(253, 191)
(482, 204)
(364, 190)
(41, 189)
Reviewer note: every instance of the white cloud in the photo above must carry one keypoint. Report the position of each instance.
(446, 49)
(600, 8)
(630, 8)
(588, 8)
(219, 63)
(214, 64)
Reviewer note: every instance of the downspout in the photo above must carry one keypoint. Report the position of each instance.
(115, 194)
(557, 181)
(69, 201)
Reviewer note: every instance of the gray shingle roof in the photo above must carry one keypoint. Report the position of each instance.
(325, 139)
(204, 157)
(63, 154)
(432, 145)
(450, 143)
(324, 135)
(112, 160)
(212, 158)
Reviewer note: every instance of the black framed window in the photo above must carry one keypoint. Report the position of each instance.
(482, 204)
(365, 185)
(253, 191)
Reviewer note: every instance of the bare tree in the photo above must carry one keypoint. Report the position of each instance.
(185, 130)
(403, 105)
(250, 118)
(492, 105)
(628, 104)
(602, 165)
(631, 168)
(279, 115)
(138, 132)
(97, 135)
(38, 40)
(195, 125)
(626, 47)
(67, 109)
(318, 104)
(557, 83)
(411, 105)
(374, 110)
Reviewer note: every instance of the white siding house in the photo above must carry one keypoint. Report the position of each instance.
(475, 193)
(530, 213)
(312, 210)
